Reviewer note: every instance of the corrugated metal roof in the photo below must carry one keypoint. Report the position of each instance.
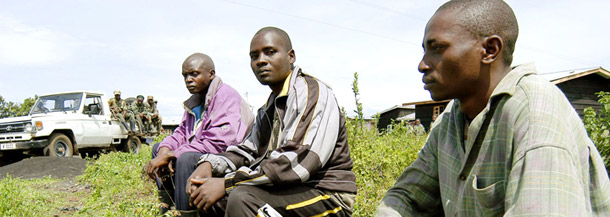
(398, 107)
(563, 76)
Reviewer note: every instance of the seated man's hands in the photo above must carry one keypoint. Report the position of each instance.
(161, 163)
(203, 190)
(209, 191)
(204, 170)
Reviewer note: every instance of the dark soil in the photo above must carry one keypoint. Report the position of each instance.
(39, 167)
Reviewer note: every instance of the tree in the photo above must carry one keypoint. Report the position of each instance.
(598, 126)
(12, 109)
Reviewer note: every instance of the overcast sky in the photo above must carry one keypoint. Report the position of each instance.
(138, 46)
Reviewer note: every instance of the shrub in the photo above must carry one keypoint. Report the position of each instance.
(597, 124)
(379, 159)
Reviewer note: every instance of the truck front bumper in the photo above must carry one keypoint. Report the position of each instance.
(5, 146)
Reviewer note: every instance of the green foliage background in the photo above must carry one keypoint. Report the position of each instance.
(118, 188)
(598, 126)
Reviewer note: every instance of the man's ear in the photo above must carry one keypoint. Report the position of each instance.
(212, 74)
(492, 46)
(292, 56)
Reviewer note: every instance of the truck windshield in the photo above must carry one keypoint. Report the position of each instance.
(57, 103)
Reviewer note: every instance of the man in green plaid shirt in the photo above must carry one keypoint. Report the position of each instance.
(509, 143)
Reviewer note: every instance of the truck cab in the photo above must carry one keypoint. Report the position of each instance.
(64, 124)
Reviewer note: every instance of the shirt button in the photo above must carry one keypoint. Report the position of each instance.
(462, 177)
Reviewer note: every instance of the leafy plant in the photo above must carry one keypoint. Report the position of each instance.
(378, 161)
(597, 124)
(359, 113)
(378, 158)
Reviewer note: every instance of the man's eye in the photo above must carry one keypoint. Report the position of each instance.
(253, 56)
(437, 47)
(270, 52)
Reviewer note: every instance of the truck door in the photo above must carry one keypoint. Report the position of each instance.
(96, 124)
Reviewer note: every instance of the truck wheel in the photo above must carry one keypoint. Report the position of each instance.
(132, 145)
(60, 146)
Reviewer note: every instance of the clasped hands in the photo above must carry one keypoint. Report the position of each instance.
(203, 189)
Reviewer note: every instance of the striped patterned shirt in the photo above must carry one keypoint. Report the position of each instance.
(298, 137)
(535, 160)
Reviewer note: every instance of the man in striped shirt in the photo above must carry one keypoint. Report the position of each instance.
(509, 144)
(296, 160)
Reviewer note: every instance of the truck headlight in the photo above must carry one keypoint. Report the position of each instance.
(28, 127)
(38, 125)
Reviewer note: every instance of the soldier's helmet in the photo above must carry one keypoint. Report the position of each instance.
(149, 97)
(117, 92)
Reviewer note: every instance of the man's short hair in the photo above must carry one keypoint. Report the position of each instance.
(283, 35)
(486, 18)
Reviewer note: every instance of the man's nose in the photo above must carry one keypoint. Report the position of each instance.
(262, 60)
(423, 67)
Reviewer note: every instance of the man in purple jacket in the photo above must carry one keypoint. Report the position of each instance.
(215, 117)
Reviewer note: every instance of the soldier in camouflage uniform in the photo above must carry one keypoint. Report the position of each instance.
(140, 112)
(118, 107)
(153, 112)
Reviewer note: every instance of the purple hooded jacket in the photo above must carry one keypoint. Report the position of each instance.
(225, 120)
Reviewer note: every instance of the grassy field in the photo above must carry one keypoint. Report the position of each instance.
(113, 185)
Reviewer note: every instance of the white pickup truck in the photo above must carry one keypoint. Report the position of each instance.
(65, 124)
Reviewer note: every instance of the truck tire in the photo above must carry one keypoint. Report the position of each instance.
(60, 146)
(132, 145)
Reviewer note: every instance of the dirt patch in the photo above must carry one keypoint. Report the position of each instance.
(38, 167)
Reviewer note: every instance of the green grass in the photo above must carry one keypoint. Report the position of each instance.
(35, 197)
(116, 186)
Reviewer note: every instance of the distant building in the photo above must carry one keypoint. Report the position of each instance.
(579, 86)
(395, 114)
(170, 125)
(428, 111)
